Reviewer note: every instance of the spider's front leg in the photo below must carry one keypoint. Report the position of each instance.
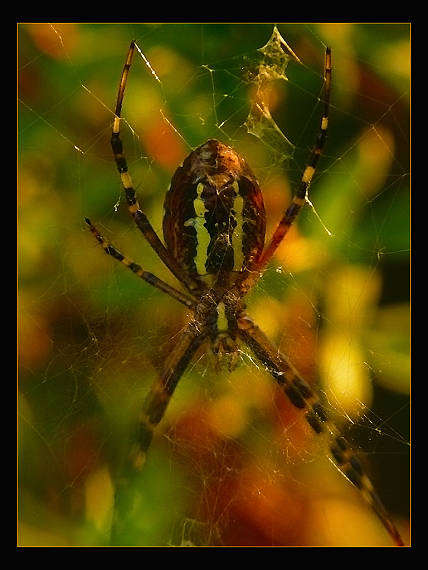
(302, 396)
(162, 390)
(129, 489)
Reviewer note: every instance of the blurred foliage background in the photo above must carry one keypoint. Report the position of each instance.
(233, 463)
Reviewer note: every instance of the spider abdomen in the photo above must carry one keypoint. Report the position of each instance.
(214, 218)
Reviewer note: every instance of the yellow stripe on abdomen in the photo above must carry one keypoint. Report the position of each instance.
(238, 232)
(202, 235)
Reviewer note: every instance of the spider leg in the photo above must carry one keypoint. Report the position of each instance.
(162, 390)
(139, 216)
(301, 395)
(302, 192)
(110, 249)
(249, 277)
(129, 488)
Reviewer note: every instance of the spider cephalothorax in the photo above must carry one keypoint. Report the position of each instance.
(214, 231)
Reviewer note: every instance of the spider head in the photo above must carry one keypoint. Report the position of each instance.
(225, 350)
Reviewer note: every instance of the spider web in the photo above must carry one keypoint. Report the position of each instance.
(231, 456)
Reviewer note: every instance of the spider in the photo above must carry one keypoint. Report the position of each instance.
(214, 233)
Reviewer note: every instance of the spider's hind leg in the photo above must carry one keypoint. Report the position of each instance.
(248, 278)
(140, 218)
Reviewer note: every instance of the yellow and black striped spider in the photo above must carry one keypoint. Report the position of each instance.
(214, 232)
